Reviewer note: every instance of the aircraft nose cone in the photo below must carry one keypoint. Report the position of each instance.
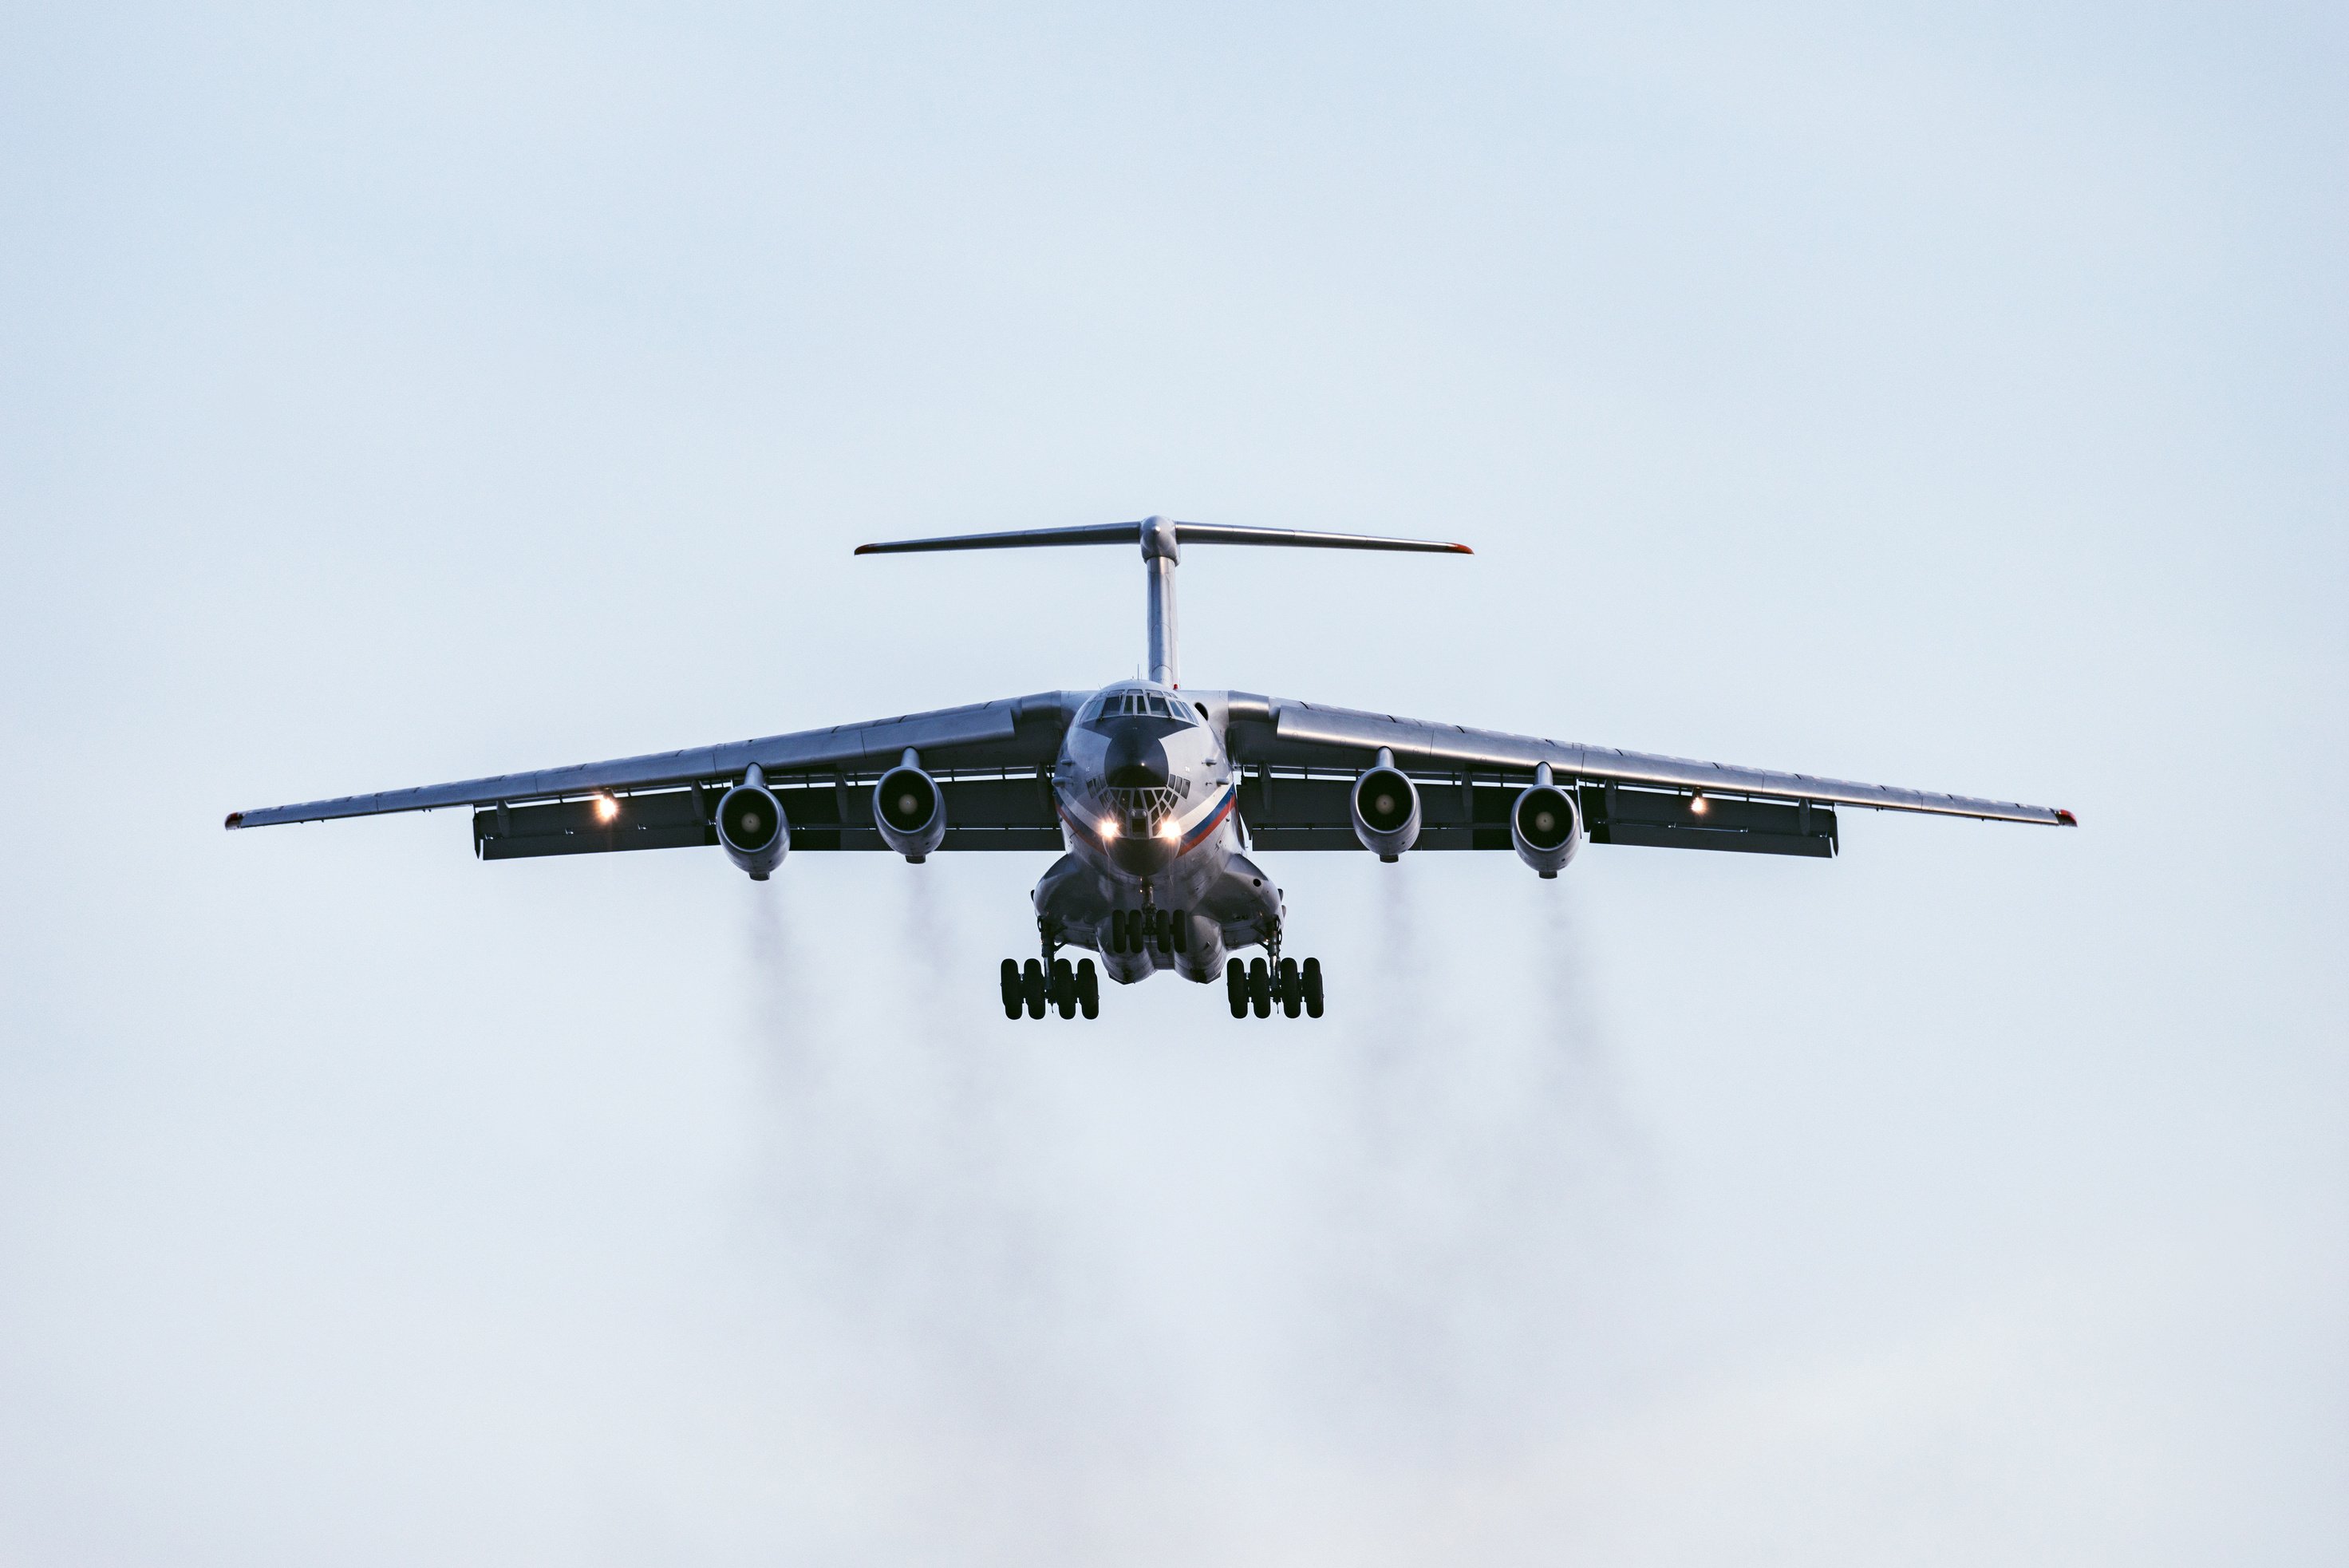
(1137, 759)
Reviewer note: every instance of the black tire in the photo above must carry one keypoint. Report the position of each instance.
(1015, 995)
(1064, 987)
(1032, 987)
(1181, 931)
(1292, 995)
(1260, 988)
(1236, 986)
(1089, 988)
(1313, 988)
(1121, 925)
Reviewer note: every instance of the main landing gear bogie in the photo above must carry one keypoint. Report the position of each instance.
(1068, 990)
(1258, 987)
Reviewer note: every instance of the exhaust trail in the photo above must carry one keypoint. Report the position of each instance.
(1474, 1205)
(905, 1196)
(1046, 1336)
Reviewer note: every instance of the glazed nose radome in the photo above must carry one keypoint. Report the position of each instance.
(1137, 760)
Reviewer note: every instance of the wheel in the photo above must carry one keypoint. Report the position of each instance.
(1015, 996)
(1121, 930)
(1089, 988)
(1292, 995)
(1313, 988)
(1236, 986)
(1260, 988)
(1032, 987)
(1064, 988)
(1180, 931)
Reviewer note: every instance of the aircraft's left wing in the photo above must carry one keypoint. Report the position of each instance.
(1297, 762)
(992, 761)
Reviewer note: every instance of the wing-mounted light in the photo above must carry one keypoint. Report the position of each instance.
(1545, 825)
(1385, 807)
(751, 827)
(909, 809)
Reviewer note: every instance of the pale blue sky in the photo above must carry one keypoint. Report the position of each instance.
(1957, 401)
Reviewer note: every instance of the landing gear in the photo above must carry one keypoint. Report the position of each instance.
(1259, 986)
(1147, 929)
(1067, 988)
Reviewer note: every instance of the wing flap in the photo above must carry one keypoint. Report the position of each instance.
(1289, 809)
(994, 812)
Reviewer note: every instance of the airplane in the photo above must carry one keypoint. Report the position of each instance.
(1156, 798)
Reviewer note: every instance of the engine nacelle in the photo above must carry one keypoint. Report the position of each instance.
(909, 810)
(751, 827)
(1545, 825)
(1385, 805)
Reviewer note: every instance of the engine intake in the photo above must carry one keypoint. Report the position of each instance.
(909, 810)
(1385, 805)
(751, 827)
(1545, 825)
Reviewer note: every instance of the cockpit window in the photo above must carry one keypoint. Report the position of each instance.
(1136, 704)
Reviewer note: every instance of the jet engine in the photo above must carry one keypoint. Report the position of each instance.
(1386, 809)
(909, 810)
(1545, 825)
(751, 827)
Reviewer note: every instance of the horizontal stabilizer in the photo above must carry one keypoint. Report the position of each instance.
(1135, 533)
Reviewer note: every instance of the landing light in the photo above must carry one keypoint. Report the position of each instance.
(1697, 805)
(1108, 827)
(606, 808)
(1170, 830)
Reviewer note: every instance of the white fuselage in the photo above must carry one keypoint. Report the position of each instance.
(1146, 792)
(1148, 804)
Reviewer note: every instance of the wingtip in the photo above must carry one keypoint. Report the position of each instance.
(1463, 550)
(864, 550)
(235, 820)
(2066, 818)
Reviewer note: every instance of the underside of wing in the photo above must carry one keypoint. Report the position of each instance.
(1299, 761)
(992, 762)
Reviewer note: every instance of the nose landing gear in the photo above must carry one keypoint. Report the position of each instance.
(1143, 929)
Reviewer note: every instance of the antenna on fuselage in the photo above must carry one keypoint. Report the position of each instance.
(1162, 539)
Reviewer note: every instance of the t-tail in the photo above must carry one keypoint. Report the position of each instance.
(1161, 540)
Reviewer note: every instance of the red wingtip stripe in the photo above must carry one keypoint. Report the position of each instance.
(235, 819)
(864, 549)
(2066, 818)
(1464, 549)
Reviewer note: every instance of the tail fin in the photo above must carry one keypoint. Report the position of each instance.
(1161, 540)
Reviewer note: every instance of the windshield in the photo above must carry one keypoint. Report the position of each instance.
(1135, 702)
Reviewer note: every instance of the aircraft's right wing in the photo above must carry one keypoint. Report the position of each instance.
(1297, 762)
(993, 762)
